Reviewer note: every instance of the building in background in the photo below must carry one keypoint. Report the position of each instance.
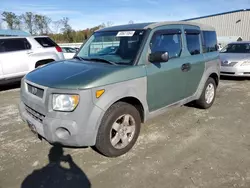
(10, 32)
(230, 26)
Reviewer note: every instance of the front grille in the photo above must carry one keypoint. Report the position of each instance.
(246, 72)
(35, 91)
(36, 115)
(227, 72)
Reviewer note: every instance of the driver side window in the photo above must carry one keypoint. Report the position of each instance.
(167, 41)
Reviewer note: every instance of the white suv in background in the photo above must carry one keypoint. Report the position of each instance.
(20, 55)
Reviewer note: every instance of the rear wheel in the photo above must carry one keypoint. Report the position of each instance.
(119, 130)
(207, 97)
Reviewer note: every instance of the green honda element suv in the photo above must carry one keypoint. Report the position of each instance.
(121, 77)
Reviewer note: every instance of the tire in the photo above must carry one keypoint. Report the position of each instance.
(117, 113)
(202, 102)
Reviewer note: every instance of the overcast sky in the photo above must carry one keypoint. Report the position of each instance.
(89, 13)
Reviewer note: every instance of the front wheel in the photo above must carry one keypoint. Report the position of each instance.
(207, 97)
(119, 130)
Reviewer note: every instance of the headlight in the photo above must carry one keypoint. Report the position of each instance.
(63, 102)
(245, 63)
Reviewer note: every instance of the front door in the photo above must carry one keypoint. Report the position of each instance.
(166, 81)
(14, 57)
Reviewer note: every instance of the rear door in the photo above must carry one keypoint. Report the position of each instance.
(14, 56)
(210, 48)
(194, 63)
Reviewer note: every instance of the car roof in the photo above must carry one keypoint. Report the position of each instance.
(18, 37)
(152, 25)
(136, 26)
(240, 42)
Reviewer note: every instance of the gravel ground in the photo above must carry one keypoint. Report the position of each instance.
(186, 147)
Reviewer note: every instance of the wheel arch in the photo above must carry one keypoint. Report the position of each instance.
(215, 77)
(134, 102)
(43, 62)
(132, 92)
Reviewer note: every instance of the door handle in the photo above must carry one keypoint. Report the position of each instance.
(186, 67)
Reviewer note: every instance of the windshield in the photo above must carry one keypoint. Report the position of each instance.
(236, 48)
(120, 47)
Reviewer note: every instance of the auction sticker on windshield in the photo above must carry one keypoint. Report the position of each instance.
(125, 33)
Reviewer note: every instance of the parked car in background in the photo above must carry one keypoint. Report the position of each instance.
(20, 55)
(219, 47)
(107, 50)
(235, 59)
(69, 52)
(101, 100)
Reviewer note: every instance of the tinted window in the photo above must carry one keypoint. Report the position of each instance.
(10, 45)
(236, 48)
(193, 43)
(46, 42)
(167, 42)
(209, 42)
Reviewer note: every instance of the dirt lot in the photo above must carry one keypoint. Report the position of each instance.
(185, 147)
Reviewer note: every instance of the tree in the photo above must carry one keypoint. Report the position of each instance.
(57, 26)
(65, 24)
(18, 23)
(108, 24)
(66, 29)
(29, 22)
(1, 23)
(42, 24)
(131, 22)
(13, 21)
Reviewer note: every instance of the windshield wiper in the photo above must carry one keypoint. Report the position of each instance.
(94, 59)
(102, 60)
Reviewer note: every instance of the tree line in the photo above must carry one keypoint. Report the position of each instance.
(37, 24)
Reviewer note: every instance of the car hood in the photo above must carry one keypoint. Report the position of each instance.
(235, 57)
(75, 74)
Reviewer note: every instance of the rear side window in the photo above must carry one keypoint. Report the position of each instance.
(167, 41)
(193, 41)
(45, 42)
(12, 45)
(209, 41)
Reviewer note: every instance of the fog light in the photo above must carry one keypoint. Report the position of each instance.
(62, 133)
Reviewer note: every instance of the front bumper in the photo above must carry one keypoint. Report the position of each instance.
(78, 128)
(235, 71)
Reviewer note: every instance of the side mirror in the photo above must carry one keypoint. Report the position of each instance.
(158, 57)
